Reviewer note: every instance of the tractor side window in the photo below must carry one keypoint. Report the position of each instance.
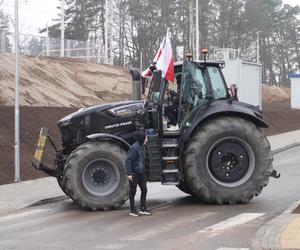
(193, 91)
(218, 85)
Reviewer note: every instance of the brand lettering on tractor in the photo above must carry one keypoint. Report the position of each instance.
(118, 125)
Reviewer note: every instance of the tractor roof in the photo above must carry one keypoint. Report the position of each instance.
(208, 63)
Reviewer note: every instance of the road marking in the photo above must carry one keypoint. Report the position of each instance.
(165, 227)
(21, 215)
(216, 229)
(38, 222)
(231, 222)
(232, 248)
(110, 246)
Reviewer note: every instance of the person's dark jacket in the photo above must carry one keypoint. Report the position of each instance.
(135, 159)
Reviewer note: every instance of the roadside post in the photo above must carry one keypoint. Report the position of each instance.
(17, 111)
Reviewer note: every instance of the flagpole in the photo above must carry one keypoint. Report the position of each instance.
(197, 30)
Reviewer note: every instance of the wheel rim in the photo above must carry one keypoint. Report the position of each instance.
(230, 161)
(100, 177)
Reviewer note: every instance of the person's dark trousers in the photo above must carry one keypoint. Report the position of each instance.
(138, 179)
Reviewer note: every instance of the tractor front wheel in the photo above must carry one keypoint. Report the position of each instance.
(95, 177)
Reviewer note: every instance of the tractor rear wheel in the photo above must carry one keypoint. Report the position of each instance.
(95, 177)
(227, 161)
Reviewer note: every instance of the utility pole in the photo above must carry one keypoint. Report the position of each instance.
(191, 27)
(109, 31)
(17, 108)
(106, 33)
(124, 58)
(197, 30)
(47, 41)
(62, 33)
(141, 60)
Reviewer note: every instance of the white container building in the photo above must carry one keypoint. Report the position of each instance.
(246, 75)
(295, 91)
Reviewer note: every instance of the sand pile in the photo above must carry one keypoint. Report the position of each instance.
(275, 94)
(62, 82)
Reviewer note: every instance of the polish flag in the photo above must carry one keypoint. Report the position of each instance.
(148, 72)
(165, 61)
(158, 53)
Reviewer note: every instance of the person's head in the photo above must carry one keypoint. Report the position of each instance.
(140, 137)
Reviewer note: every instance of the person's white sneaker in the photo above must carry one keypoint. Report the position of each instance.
(145, 212)
(173, 128)
(134, 214)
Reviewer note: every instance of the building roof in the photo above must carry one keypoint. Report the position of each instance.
(294, 75)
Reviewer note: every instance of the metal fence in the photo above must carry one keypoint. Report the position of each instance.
(92, 51)
(47, 46)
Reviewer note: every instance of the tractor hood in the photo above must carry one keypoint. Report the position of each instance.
(116, 109)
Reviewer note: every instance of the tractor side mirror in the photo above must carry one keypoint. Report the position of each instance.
(233, 91)
(157, 78)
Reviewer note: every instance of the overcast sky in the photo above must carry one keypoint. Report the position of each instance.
(34, 14)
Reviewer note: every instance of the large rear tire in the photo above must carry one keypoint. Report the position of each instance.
(227, 161)
(95, 176)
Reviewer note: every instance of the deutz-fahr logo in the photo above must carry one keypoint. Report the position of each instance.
(116, 125)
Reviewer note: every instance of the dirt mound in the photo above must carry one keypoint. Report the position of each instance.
(31, 120)
(275, 94)
(62, 82)
(280, 117)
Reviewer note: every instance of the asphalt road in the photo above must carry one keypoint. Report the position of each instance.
(178, 221)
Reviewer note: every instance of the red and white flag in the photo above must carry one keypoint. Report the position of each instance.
(148, 72)
(165, 61)
(158, 53)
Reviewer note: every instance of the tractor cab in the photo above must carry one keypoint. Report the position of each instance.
(174, 110)
(176, 104)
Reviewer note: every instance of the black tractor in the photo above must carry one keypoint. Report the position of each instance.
(200, 138)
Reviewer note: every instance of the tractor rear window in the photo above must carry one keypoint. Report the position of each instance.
(218, 85)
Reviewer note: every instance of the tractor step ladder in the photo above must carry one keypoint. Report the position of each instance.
(170, 174)
(154, 160)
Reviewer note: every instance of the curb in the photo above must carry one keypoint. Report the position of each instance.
(293, 145)
(268, 236)
(292, 207)
(48, 200)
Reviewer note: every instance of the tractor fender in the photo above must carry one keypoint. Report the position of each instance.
(224, 108)
(109, 137)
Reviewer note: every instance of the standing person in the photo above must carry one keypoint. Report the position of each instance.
(135, 168)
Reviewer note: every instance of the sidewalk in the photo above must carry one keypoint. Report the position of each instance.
(284, 141)
(283, 232)
(19, 195)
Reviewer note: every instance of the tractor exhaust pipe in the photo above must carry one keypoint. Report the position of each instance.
(136, 84)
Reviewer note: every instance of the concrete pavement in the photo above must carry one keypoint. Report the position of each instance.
(283, 232)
